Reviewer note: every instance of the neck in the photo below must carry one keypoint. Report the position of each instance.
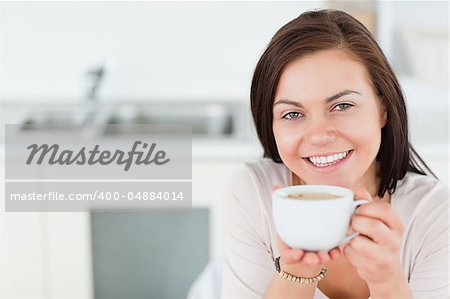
(374, 182)
(370, 180)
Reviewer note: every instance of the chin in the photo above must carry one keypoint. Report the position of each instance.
(330, 181)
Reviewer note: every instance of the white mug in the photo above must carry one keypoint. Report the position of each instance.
(314, 224)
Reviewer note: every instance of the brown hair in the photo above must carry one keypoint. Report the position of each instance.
(327, 29)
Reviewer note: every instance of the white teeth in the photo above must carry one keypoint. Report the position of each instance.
(326, 161)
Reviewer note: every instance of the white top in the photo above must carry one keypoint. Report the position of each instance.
(250, 236)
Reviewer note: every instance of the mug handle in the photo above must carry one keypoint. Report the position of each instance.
(356, 204)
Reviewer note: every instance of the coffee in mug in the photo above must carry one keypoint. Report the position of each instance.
(314, 217)
(312, 196)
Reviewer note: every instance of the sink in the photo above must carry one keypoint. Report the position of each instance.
(165, 117)
(204, 119)
(53, 120)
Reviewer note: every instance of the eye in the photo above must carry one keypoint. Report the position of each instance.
(343, 106)
(290, 116)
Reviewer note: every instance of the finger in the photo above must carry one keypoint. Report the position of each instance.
(290, 255)
(366, 247)
(350, 230)
(310, 259)
(294, 255)
(323, 257)
(363, 194)
(355, 258)
(275, 187)
(384, 212)
(376, 230)
(335, 253)
(283, 246)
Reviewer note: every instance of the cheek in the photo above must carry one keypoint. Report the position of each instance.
(286, 142)
(367, 125)
(367, 139)
(363, 126)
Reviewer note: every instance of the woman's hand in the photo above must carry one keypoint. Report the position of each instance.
(375, 252)
(303, 263)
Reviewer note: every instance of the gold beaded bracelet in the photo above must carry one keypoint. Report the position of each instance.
(302, 280)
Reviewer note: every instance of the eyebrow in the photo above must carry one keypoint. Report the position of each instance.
(326, 101)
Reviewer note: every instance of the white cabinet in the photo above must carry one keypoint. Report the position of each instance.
(68, 249)
(44, 255)
(48, 255)
(23, 256)
(22, 251)
(207, 181)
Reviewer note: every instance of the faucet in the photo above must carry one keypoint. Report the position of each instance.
(94, 78)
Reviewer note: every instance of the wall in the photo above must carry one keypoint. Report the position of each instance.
(153, 49)
(415, 43)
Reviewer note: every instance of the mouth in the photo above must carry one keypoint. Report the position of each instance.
(330, 161)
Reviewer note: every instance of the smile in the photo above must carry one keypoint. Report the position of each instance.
(326, 161)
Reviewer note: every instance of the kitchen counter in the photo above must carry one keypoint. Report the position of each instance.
(241, 146)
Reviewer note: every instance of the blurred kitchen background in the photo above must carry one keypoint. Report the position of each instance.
(137, 62)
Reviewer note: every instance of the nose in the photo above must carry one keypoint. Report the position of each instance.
(320, 132)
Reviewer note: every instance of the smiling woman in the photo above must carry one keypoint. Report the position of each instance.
(329, 110)
(309, 132)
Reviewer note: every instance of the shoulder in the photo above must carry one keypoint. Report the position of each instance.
(258, 173)
(417, 183)
(249, 187)
(417, 189)
(422, 201)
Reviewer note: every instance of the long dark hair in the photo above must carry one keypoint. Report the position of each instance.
(327, 29)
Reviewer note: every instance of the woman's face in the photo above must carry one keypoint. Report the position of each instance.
(327, 120)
